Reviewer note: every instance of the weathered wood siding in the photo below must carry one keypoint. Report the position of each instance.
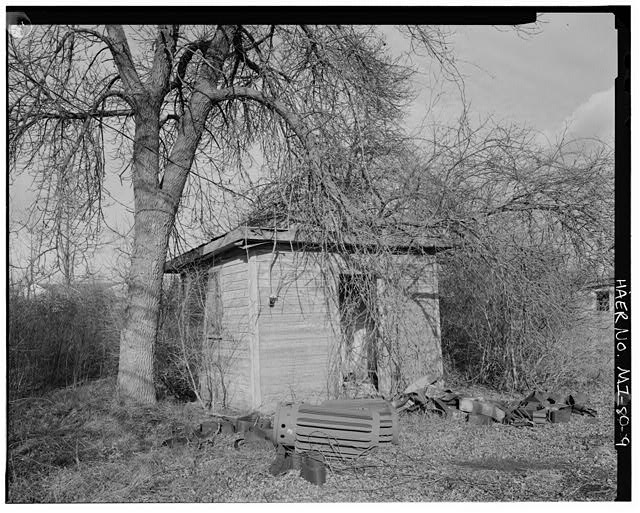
(257, 354)
(226, 355)
(297, 339)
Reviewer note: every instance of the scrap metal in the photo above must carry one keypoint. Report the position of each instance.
(307, 437)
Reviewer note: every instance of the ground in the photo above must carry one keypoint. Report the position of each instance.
(78, 445)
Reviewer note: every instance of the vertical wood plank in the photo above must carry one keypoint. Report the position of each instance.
(211, 333)
(253, 331)
(384, 358)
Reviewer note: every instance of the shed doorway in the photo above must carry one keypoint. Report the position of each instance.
(357, 303)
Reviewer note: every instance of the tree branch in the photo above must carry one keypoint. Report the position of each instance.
(168, 117)
(90, 114)
(249, 93)
(119, 47)
(159, 79)
(188, 53)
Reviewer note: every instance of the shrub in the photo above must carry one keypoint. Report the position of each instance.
(179, 345)
(513, 322)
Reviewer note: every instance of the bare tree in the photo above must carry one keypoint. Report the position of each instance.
(529, 222)
(187, 105)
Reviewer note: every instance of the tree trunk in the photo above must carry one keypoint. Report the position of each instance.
(153, 220)
(138, 337)
(155, 206)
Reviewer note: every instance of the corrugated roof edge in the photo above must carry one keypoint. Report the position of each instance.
(243, 235)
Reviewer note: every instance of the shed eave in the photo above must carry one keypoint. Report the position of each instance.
(247, 237)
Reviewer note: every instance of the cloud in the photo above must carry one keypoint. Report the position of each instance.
(593, 118)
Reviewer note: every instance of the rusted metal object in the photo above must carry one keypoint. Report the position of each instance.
(335, 429)
(313, 468)
(366, 403)
(388, 414)
(481, 407)
(207, 429)
(286, 459)
(246, 422)
(479, 419)
(227, 428)
(540, 416)
(559, 413)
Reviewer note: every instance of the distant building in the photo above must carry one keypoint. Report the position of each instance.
(598, 296)
(274, 328)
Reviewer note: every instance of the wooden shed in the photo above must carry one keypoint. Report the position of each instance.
(274, 326)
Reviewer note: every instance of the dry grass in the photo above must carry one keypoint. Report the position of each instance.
(79, 446)
(585, 356)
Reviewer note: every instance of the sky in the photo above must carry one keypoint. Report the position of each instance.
(564, 74)
(561, 77)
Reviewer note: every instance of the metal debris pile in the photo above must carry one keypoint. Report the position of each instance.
(534, 409)
(308, 437)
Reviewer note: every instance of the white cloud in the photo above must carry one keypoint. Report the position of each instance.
(593, 118)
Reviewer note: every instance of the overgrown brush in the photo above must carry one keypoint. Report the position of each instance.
(516, 320)
(75, 430)
(178, 355)
(64, 336)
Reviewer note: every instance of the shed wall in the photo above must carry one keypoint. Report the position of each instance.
(226, 355)
(257, 354)
(297, 336)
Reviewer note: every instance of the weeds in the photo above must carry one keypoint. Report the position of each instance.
(65, 336)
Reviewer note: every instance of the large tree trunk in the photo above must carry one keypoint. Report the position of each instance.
(155, 207)
(155, 210)
(153, 219)
(138, 337)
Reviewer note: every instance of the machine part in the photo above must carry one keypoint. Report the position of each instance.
(334, 431)
(481, 407)
(385, 409)
(540, 416)
(227, 427)
(207, 429)
(284, 422)
(286, 459)
(313, 468)
(246, 422)
(479, 419)
(559, 413)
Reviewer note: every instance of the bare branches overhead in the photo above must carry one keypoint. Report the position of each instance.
(295, 122)
(194, 104)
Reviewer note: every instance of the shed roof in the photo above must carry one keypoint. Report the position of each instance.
(600, 283)
(244, 237)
